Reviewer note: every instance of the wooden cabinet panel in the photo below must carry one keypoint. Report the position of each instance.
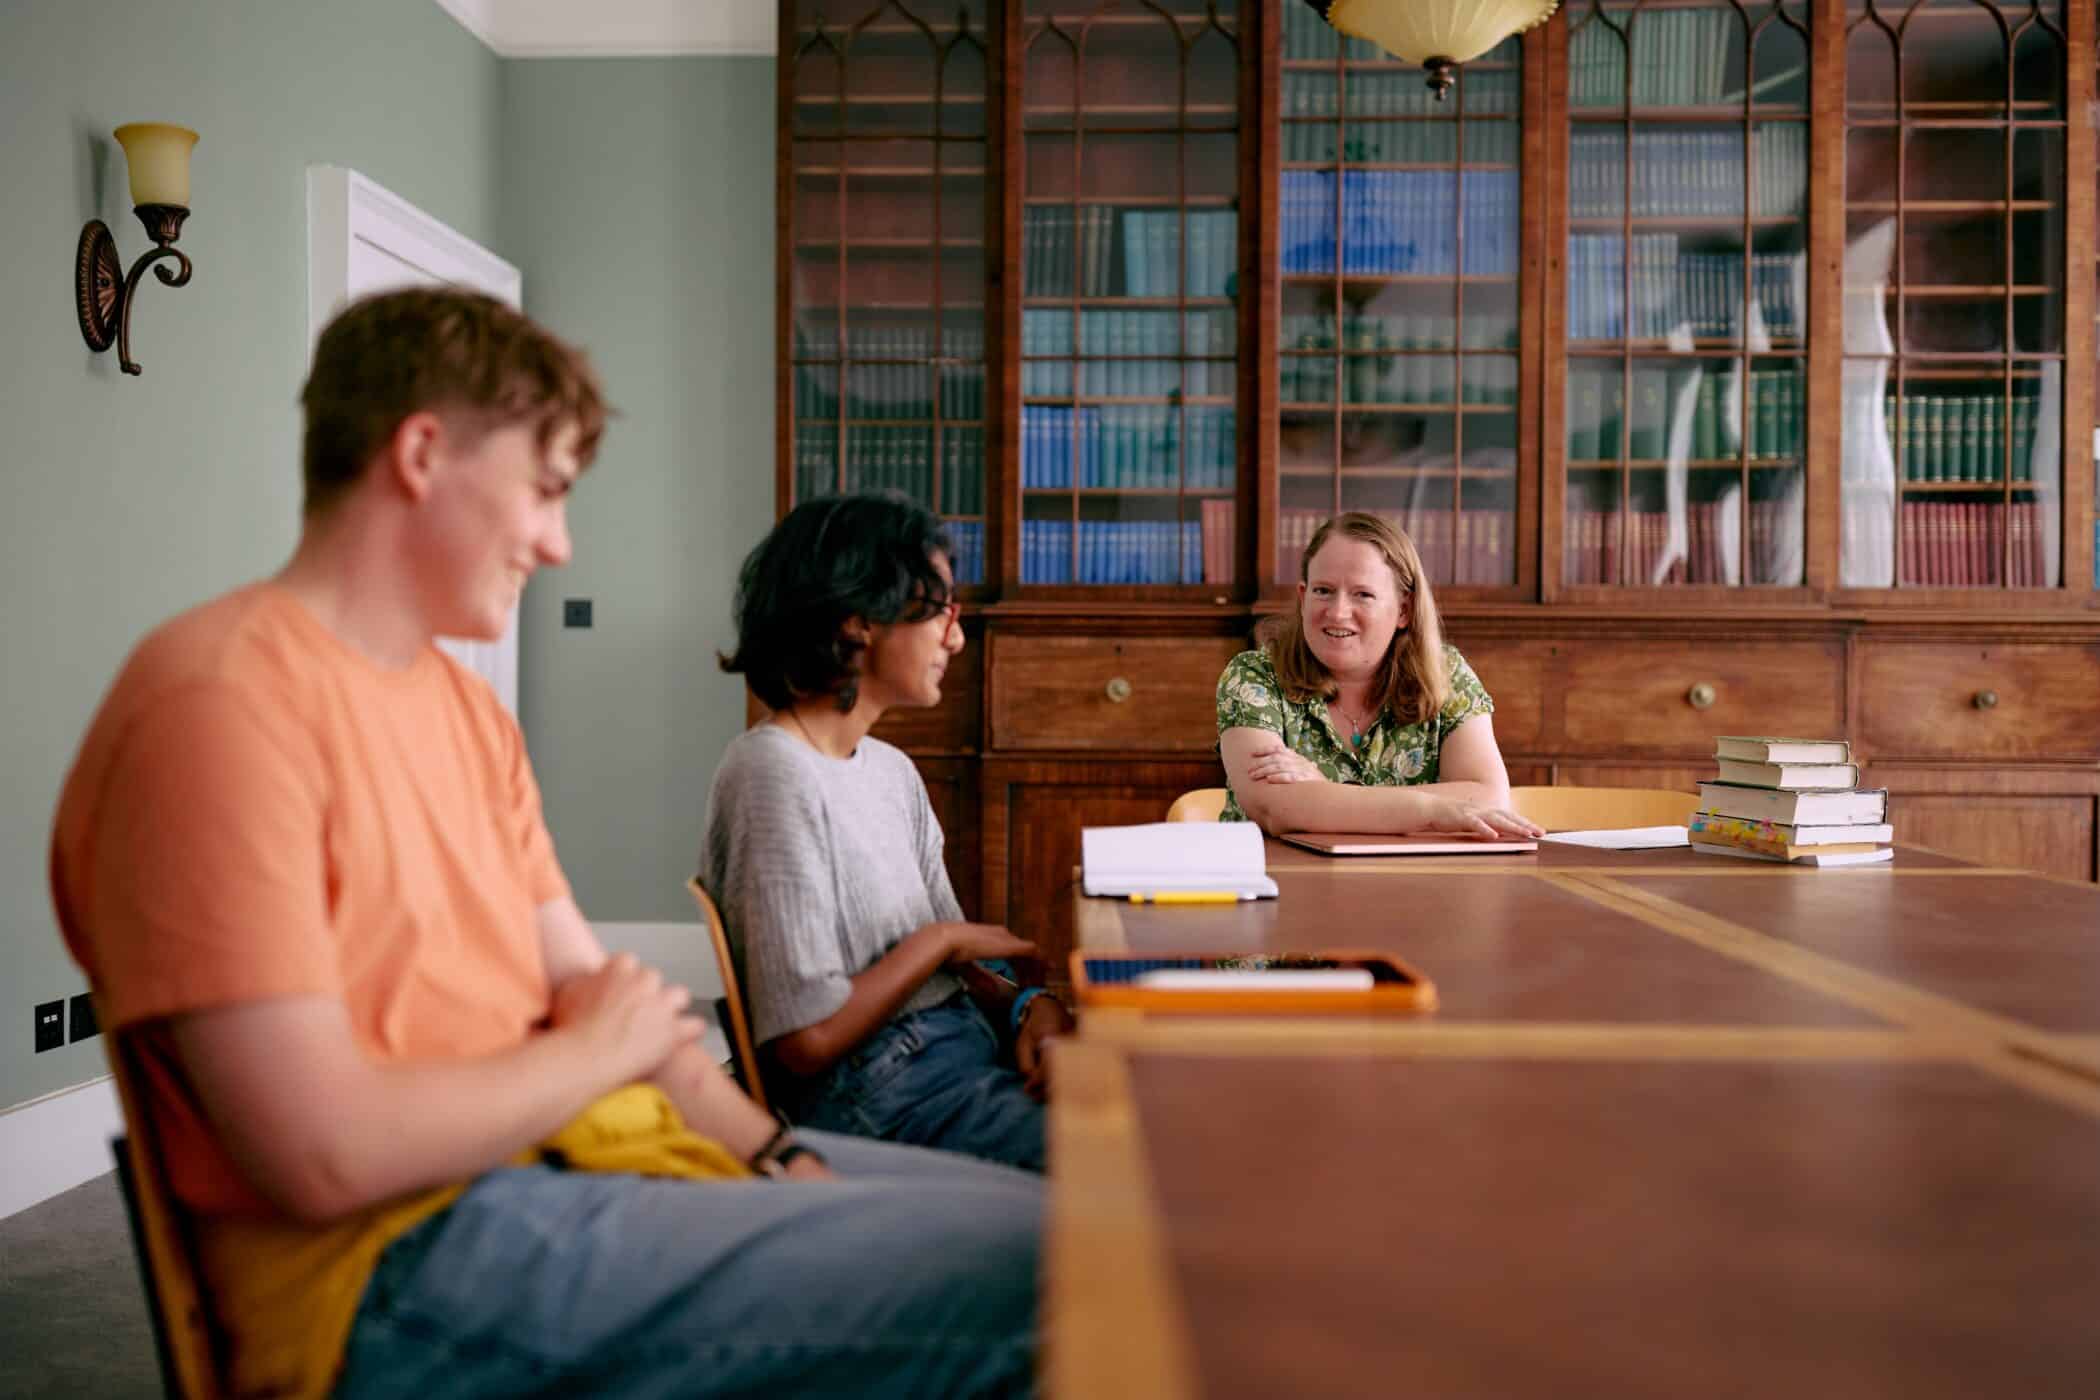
(1517, 676)
(1933, 700)
(952, 787)
(954, 725)
(2053, 835)
(1644, 697)
(1122, 693)
(1684, 777)
(1033, 816)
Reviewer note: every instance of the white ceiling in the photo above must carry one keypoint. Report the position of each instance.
(618, 28)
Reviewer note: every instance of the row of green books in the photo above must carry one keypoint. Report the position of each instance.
(1774, 400)
(1483, 329)
(1395, 92)
(887, 459)
(1949, 437)
(1688, 172)
(1486, 144)
(1102, 250)
(1415, 378)
(1655, 57)
(906, 392)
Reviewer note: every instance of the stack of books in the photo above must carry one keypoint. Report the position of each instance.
(1793, 800)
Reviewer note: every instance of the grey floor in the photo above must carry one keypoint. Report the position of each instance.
(73, 1322)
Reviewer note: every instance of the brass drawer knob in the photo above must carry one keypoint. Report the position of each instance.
(1985, 700)
(1118, 690)
(1701, 696)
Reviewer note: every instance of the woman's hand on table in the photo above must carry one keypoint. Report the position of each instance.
(1462, 818)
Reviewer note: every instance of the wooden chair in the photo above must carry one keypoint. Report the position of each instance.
(182, 1330)
(1198, 805)
(1602, 809)
(729, 1007)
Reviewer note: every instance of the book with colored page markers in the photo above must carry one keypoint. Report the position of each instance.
(1785, 841)
(1345, 982)
(1872, 856)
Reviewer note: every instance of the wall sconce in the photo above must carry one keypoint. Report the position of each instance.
(159, 156)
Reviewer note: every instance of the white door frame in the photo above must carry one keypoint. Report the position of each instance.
(356, 234)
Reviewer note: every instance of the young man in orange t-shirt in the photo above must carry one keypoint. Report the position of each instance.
(427, 1130)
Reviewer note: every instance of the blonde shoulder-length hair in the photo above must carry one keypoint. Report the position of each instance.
(1412, 682)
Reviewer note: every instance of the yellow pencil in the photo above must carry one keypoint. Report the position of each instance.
(1187, 897)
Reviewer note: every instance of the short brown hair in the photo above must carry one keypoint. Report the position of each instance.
(1413, 683)
(443, 350)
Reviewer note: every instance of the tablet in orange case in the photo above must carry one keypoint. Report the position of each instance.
(1110, 980)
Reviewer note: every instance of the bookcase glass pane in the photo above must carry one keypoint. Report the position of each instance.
(1685, 387)
(1128, 431)
(1398, 228)
(888, 218)
(1953, 295)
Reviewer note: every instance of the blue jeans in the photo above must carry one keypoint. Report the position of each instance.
(915, 1275)
(931, 1079)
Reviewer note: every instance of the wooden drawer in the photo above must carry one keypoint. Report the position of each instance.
(1646, 697)
(1949, 700)
(1157, 694)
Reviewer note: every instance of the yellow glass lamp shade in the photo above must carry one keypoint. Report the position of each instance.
(1438, 34)
(159, 156)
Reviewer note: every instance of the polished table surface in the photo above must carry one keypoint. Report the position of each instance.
(1682, 1124)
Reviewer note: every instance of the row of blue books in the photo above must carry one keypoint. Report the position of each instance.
(1112, 551)
(1702, 293)
(966, 559)
(1206, 335)
(1689, 172)
(1127, 446)
(1399, 222)
(1102, 250)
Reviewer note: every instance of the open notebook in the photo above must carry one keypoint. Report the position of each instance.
(1175, 858)
(1352, 843)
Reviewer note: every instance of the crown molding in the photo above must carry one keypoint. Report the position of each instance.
(618, 28)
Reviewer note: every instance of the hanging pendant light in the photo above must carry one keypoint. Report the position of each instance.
(1438, 34)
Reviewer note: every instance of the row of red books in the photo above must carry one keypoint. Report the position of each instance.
(1598, 550)
(1964, 544)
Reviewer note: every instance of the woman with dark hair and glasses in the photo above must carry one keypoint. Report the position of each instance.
(823, 853)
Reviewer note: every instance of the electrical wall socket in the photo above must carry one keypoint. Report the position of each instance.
(575, 612)
(80, 1018)
(50, 1025)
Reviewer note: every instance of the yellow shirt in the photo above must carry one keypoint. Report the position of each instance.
(285, 1295)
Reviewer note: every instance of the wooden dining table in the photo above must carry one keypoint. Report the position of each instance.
(1681, 1125)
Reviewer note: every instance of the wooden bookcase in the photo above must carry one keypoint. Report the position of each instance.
(1732, 365)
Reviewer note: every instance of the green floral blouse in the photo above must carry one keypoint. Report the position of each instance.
(1392, 755)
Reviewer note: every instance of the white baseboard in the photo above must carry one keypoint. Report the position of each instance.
(54, 1143)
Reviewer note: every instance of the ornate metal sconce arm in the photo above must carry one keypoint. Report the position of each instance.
(104, 293)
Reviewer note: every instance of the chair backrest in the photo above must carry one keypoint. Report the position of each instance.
(1197, 805)
(1602, 809)
(182, 1332)
(734, 1021)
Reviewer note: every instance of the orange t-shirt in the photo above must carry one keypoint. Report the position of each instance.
(260, 811)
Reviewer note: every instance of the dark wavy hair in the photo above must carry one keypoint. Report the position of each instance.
(831, 559)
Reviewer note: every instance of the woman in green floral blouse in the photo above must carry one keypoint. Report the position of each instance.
(1354, 715)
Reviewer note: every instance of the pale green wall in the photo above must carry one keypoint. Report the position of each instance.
(638, 200)
(124, 499)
